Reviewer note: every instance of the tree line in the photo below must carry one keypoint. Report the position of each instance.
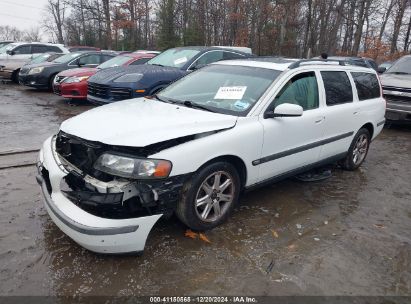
(296, 28)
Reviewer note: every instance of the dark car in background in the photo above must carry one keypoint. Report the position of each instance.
(73, 83)
(121, 83)
(396, 85)
(41, 75)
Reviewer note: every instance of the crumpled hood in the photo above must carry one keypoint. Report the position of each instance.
(106, 76)
(396, 80)
(78, 72)
(141, 122)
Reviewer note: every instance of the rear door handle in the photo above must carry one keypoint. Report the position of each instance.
(356, 111)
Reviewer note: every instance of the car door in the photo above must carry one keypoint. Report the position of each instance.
(342, 114)
(292, 142)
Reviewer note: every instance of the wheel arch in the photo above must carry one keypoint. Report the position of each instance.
(236, 161)
(370, 128)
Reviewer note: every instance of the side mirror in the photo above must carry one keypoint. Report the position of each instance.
(285, 110)
(11, 53)
(381, 70)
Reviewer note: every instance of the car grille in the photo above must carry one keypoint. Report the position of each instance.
(79, 152)
(396, 89)
(107, 92)
(395, 98)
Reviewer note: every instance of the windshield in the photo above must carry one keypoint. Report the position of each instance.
(40, 58)
(116, 61)
(401, 66)
(66, 58)
(221, 88)
(174, 57)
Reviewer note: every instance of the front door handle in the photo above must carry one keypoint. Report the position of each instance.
(319, 119)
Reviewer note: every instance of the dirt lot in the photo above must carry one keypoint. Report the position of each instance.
(348, 235)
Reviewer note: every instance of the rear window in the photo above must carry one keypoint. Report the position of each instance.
(367, 85)
(337, 87)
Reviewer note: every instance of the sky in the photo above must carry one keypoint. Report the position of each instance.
(23, 14)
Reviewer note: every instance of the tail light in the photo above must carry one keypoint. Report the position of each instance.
(381, 91)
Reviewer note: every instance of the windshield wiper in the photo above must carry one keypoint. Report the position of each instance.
(162, 99)
(157, 64)
(189, 104)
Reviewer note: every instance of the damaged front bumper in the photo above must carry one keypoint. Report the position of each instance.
(95, 233)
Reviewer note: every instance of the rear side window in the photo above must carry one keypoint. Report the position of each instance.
(38, 49)
(140, 61)
(337, 87)
(229, 55)
(367, 85)
(54, 49)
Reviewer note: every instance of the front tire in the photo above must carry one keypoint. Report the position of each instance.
(358, 150)
(15, 76)
(209, 197)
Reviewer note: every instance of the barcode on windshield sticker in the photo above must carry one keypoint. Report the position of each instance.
(230, 93)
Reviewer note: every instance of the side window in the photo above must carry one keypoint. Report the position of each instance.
(38, 49)
(229, 55)
(23, 50)
(301, 90)
(140, 61)
(367, 85)
(337, 87)
(209, 57)
(53, 49)
(104, 58)
(90, 59)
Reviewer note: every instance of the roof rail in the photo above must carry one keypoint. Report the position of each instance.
(298, 63)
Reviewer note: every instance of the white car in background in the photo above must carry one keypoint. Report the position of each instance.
(112, 172)
(17, 54)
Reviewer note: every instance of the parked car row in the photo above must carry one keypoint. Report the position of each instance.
(196, 131)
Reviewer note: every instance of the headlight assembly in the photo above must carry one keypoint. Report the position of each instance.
(129, 78)
(36, 70)
(76, 79)
(136, 168)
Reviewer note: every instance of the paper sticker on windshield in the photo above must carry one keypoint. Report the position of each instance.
(230, 93)
(180, 60)
(241, 105)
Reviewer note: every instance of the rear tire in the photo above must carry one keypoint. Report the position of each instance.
(358, 150)
(209, 197)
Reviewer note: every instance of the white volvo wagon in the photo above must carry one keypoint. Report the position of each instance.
(112, 172)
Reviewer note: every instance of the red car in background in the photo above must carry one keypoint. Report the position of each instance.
(73, 83)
